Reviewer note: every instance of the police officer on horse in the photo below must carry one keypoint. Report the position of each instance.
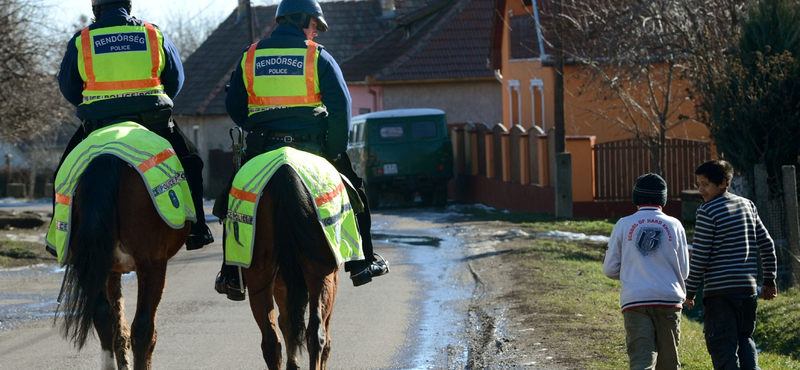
(276, 108)
(121, 68)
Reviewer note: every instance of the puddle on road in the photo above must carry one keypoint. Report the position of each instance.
(407, 240)
(21, 308)
(16, 309)
(439, 320)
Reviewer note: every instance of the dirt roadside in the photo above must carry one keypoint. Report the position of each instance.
(510, 329)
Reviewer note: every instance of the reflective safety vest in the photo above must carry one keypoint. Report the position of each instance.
(120, 61)
(281, 77)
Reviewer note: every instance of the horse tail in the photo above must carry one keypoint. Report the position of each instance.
(295, 217)
(91, 246)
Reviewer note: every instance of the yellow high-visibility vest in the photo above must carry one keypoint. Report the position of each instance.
(281, 77)
(120, 61)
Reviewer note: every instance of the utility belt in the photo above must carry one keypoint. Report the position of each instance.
(153, 120)
(262, 141)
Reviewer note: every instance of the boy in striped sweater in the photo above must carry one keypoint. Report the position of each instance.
(724, 260)
(648, 253)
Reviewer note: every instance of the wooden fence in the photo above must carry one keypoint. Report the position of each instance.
(619, 163)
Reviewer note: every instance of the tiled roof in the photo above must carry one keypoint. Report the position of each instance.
(448, 39)
(209, 68)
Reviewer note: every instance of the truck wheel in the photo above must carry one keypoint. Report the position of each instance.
(373, 196)
(439, 198)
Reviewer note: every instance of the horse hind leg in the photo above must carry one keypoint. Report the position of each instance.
(283, 321)
(143, 331)
(332, 283)
(112, 330)
(260, 286)
(122, 332)
(321, 296)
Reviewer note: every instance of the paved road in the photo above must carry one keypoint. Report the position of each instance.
(410, 319)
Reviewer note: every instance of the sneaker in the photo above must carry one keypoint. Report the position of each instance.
(199, 237)
(229, 287)
(379, 267)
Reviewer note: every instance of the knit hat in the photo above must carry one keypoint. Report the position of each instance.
(650, 188)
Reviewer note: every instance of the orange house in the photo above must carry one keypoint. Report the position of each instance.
(600, 136)
(523, 58)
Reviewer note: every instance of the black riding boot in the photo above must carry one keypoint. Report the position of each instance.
(200, 234)
(228, 281)
(373, 265)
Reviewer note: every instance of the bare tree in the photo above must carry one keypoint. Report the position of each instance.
(187, 31)
(31, 107)
(28, 89)
(639, 57)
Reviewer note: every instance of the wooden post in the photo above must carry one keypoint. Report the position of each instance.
(563, 185)
(792, 221)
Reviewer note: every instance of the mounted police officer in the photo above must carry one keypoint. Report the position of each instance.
(287, 90)
(121, 68)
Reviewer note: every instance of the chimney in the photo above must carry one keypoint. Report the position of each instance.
(244, 13)
(242, 10)
(388, 9)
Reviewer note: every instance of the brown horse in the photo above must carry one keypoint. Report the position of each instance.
(293, 263)
(115, 230)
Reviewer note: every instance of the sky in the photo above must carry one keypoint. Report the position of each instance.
(155, 11)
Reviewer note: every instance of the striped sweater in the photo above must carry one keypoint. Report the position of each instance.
(723, 255)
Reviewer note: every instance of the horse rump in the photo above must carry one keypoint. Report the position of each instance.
(91, 246)
(294, 218)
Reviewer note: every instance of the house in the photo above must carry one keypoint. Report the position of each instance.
(522, 53)
(512, 165)
(393, 54)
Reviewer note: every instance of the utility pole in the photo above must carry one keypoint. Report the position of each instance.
(563, 160)
(250, 23)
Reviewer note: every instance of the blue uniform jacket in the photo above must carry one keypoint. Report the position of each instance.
(71, 84)
(334, 121)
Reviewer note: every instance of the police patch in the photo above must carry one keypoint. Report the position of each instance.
(174, 198)
(119, 42)
(279, 65)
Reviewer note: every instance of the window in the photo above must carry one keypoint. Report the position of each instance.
(357, 133)
(423, 130)
(391, 132)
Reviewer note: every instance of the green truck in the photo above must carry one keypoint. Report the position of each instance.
(402, 151)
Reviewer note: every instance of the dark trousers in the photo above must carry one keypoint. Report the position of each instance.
(184, 149)
(728, 325)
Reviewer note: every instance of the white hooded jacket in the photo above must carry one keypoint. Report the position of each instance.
(648, 253)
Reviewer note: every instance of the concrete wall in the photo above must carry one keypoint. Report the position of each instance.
(208, 133)
(475, 101)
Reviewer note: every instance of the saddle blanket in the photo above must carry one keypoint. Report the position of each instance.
(151, 156)
(322, 181)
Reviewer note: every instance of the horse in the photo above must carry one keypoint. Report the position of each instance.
(293, 264)
(116, 229)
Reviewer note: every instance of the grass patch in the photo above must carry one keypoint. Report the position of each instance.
(574, 292)
(16, 253)
(543, 222)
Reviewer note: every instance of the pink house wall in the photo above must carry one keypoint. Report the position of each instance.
(366, 99)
